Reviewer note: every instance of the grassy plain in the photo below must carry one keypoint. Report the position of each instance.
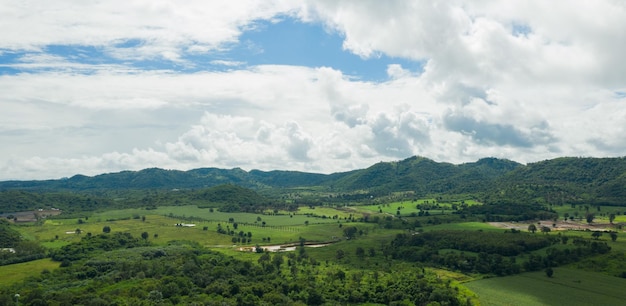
(191, 212)
(566, 287)
(409, 207)
(18, 272)
(601, 216)
(279, 229)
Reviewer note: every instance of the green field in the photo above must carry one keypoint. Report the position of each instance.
(601, 216)
(463, 226)
(279, 229)
(567, 287)
(409, 207)
(188, 212)
(17, 272)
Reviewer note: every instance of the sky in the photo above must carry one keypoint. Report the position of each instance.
(91, 87)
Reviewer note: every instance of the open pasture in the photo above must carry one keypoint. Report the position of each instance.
(566, 287)
(192, 212)
(329, 212)
(20, 271)
(463, 226)
(409, 207)
(161, 229)
(600, 216)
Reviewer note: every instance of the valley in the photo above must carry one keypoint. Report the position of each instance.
(320, 244)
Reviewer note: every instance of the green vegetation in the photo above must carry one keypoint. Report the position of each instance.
(15, 273)
(182, 273)
(405, 233)
(566, 287)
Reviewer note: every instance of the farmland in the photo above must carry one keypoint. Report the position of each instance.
(566, 287)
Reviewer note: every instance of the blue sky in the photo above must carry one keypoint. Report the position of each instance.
(318, 86)
(286, 41)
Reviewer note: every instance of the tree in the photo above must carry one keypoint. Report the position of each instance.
(613, 236)
(145, 235)
(360, 252)
(589, 217)
(340, 254)
(106, 229)
(611, 218)
(265, 258)
(340, 275)
(155, 296)
(350, 231)
(596, 235)
(549, 272)
(532, 228)
(545, 229)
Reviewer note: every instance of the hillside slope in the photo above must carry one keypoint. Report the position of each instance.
(560, 180)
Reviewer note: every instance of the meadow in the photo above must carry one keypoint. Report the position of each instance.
(601, 213)
(413, 207)
(18, 272)
(278, 229)
(566, 287)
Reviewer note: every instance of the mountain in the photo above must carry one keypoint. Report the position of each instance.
(415, 173)
(560, 180)
(567, 180)
(426, 176)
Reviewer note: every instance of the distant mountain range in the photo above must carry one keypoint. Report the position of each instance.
(566, 179)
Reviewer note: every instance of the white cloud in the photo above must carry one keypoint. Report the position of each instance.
(135, 29)
(525, 80)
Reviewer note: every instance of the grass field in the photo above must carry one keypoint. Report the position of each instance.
(191, 211)
(463, 226)
(601, 216)
(567, 287)
(59, 232)
(17, 272)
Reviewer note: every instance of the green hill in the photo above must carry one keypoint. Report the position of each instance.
(599, 181)
(561, 180)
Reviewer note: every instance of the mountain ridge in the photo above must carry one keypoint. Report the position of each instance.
(564, 179)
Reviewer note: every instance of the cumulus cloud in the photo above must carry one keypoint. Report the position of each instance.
(525, 80)
(133, 29)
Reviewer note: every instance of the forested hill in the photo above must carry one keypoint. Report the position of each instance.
(600, 181)
(566, 179)
(155, 178)
(425, 176)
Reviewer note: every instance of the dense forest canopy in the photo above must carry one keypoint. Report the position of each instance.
(560, 181)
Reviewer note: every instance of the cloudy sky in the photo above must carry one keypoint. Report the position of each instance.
(92, 87)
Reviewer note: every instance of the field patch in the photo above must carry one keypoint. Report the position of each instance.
(566, 287)
(18, 272)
